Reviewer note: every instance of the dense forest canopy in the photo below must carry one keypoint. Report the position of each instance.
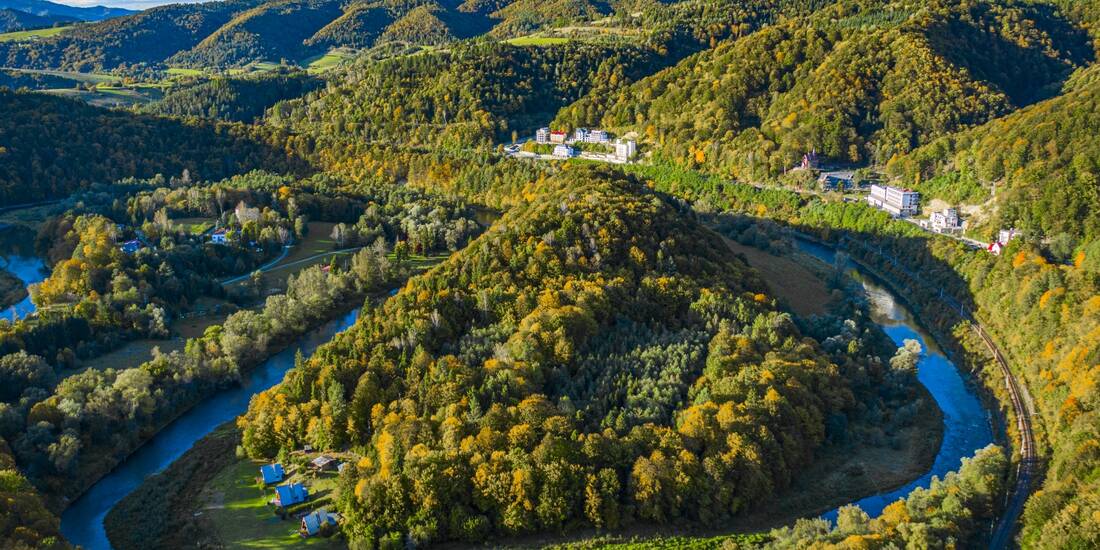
(568, 368)
(53, 146)
(857, 84)
(597, 357)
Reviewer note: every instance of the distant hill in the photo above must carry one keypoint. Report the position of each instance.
(15, 20)
(146, 38)
(50, 10)
(233, 33)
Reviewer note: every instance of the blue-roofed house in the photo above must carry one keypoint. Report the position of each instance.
(289, 495)
(272, 473)
(314, 521)
(129, 247)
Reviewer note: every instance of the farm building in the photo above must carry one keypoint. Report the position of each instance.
(289, 495)
(272, 473)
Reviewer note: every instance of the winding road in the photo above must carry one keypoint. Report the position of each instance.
(273, 264)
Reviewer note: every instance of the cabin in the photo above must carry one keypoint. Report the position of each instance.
(323, 463)
(314, 521)
(129, 247)
(272, 473)
(219, 237)
(289, 495)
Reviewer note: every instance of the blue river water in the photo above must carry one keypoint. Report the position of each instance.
(967, 424)
(30, 270)
(82, 522)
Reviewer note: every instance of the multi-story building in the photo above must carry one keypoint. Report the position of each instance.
(557, 137)
(625, 149)
(542, 135)
(898, 202)
(596, 136)
(563, 151)
(946, 221)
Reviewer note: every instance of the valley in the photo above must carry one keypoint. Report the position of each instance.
(500, 273)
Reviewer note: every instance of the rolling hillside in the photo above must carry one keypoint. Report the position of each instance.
(15, 20)
(235, 33)
(51, 10)
(856, 84)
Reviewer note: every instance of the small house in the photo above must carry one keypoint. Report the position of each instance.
(323, 463)
(219, 237)
(131, 246)
(1004, 236)
(995, 248)
(291, 494)
(272, 473)
(313, 521)
(563, 151)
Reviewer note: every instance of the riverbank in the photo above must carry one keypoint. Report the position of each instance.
(207, 499)
(12, 290)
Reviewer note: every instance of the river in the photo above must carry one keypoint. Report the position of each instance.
(967, 424)
(28, 268)
(82, 522)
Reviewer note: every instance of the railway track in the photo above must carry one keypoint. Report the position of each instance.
(1026, 469)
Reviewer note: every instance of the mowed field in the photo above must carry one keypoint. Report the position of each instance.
(32, 35)
(236, 504)
(790, 281)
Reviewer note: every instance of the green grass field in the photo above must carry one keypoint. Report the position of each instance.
(237, 506)
(322, 63)
(32, 35)
(535, 40)
(83, 78)
(183, 71)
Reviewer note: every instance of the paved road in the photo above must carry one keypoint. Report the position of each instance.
(270, 266)
(265, 267)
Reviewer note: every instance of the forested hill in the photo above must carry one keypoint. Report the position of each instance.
(856, 83)
(1041, 162)
(146, 38)
(471, 95)
(237, 32)
(63, 12)
(596, 358)
(50, 147)
(15, 20)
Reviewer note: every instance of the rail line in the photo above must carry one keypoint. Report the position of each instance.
(1002, 536)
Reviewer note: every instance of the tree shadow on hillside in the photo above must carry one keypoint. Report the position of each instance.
(1027, 75)
(57, 146)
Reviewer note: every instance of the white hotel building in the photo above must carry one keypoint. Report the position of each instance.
(898, 202)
